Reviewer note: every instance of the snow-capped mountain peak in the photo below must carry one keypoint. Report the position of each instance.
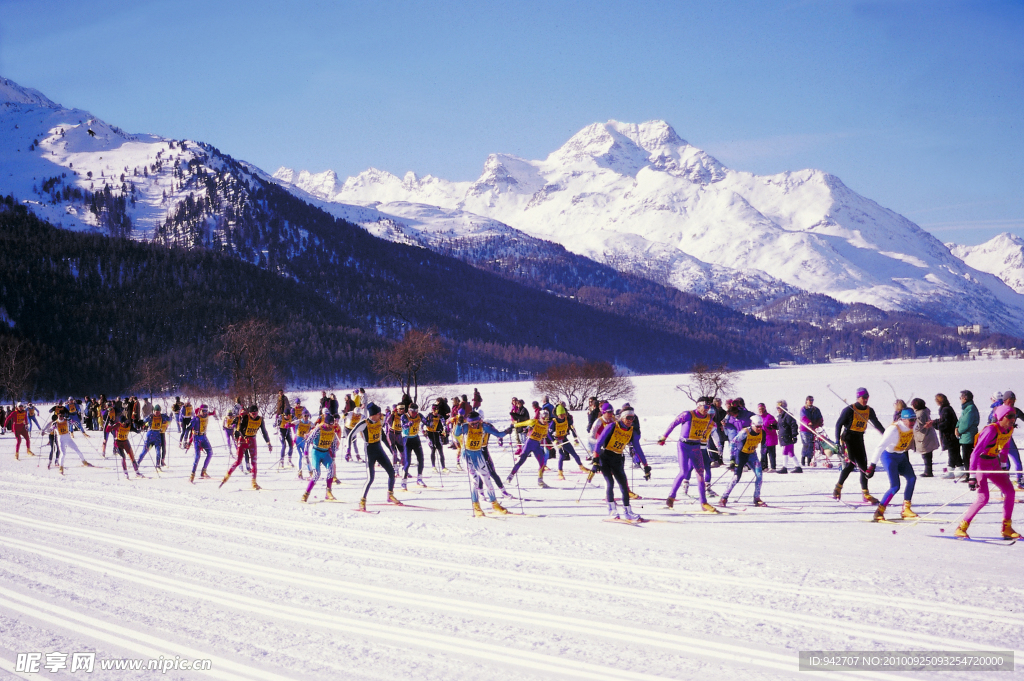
(12, 93)
(1002, 255)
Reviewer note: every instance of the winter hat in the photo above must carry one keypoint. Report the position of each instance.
(1004, 410)
(756, 421)
(1008, 395)
(783, 404)
(997, 396)
(156, 407)
(372, 409)
(559, 410)
(862, 392)
(606, 408)
(473, 417)
(908, 414)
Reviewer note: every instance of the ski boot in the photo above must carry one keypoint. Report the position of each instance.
(907, 511)
(540, 479)
(362, 504)
(62, 470)
(708, 508)
(419, 482)
(710, 493)
(228, 475)
(204, 475)
(1008, 531)
(86, 464)
(686, 488)
(879, 513)
(561, 475)
(647, 472)
(138, 473)
(300, 475)
(254, 485)
(634, 495)
(290, 464)
(405, 485)
(613, 510)
(305, 497)
(477, 511)
(633, 517)
(392, 499)
(192, 478)
(1020, 486)
(759, 502)
(499, 508)
(445, 471)
(670, 502)
(584, 469)
(330, 496)
(868, 498)
(961, 529)
(837, 493)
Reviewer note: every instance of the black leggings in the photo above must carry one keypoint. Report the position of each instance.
(768, 455)
(374, 455)
(185, 424)
(435, 446)
(613, 469)
(412, 444)
(397, 446)
(286, 436)
(858, 458)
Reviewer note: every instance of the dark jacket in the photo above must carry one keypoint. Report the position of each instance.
(788, 429)
(946, 424)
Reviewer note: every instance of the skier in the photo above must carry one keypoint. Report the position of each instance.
(473, 434)
(32, 413)
(990, 456)
(892, 452)
(200, 441)
(322, 437)
(186, 419)
(639, 460)
(1010, 400)
(434, 429)
(558, 431)
(372, 430)
(63, 427)
(155, 421)
(283, 421)
(248, 425)
(696, 428)
(17, 421)
(609, 460)
(850, 427)
(538, 430)
(411, 424)
(122, 446)
(395, 434)
(745, 446)
(302, 426)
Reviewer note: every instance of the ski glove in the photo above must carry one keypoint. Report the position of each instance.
(596, 466)
(972, 484)
(661, 441)
(870, 471)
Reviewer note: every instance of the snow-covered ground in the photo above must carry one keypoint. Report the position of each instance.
(269, 588)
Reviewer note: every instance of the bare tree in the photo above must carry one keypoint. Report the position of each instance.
(151, 376)
(574, 383)
(250, 350)
(18, 364)
(708, 381)
(406, 359)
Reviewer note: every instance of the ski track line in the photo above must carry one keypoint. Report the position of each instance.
(488, 652)
(675, 643)
(139, 643)
(945, 609)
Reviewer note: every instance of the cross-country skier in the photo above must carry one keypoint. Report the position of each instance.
(394, 429)
(1010, 400)
(745, 446)
(248, 425)
(892, 452)
(302, 425)
(558, 432)
(155, 421)
(434, 429)
(696, 427)
(17, 421)
(412, 423)
(538, 431)
(990, 456)
(850, 427)
(200, 441)
(610, 461)
(372, 430)
(473, 434)
(323, 437)
(284, 423)
(63, 427)
(122, 446)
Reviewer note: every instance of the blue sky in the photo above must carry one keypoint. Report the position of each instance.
(917, 105)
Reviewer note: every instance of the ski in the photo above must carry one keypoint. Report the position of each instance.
(359, 510)
(623, 521)
(993, 541)
(412, 506)
(779, 508)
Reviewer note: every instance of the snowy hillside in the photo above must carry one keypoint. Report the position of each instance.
(641, 198)
(1002, 256)
(268, 588)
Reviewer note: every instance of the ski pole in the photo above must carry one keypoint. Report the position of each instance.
(815, 433)
(939, 508)
(836, 394)
(590, 476)
(894, 395)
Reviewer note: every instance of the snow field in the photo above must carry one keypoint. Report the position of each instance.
(270, 588)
